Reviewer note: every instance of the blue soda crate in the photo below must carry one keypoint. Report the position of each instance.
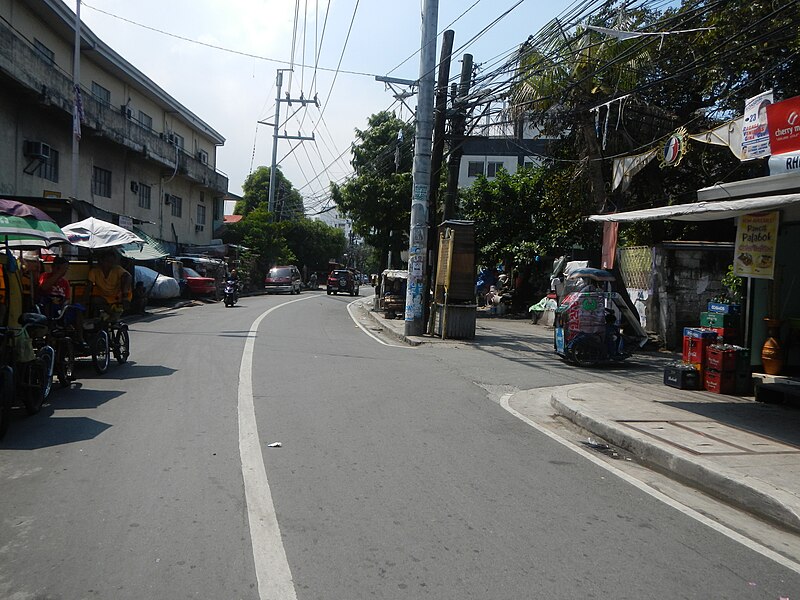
(699, 332)
(724, 309)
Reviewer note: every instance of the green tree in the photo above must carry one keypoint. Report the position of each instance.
(264, 238)
(523, 215)
(313, 243)
(564, 78)
(288, 201)
(378, 197)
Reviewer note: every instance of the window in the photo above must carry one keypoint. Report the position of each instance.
(201, 214)
(492, 168)
(45, 52)
(145, 120)
(177, 206)
(101, 182)
(144, 196)
(101, 93)
(474, 169)
(202, 156)
(177, 139)
(48, 168)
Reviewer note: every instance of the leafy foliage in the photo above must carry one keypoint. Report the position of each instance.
(533, 212)
(288, 201)
(313, 243)
(378, 198)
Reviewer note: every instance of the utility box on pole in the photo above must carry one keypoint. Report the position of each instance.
(454, 292)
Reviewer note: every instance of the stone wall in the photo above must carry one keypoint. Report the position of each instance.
(686, 276)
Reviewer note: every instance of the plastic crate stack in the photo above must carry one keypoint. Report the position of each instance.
(728, 370)
(689, 375)
(724, 319)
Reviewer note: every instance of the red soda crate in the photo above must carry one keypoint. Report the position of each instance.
(720, 359)
(720, 382)
(728, 335)
(694, 349)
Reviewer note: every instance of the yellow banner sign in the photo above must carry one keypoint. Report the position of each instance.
(756, 242)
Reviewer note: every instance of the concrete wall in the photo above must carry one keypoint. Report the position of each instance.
(685, 278)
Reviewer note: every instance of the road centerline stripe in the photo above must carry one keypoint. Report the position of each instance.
(273, 574)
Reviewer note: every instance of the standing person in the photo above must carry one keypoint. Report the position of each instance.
(109, 284)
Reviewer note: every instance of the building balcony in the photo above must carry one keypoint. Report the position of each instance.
(33, 75)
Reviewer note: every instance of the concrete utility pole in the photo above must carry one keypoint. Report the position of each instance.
(276, 133)
(418, 234)
(457, 139)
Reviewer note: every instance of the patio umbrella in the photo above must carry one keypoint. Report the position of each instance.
(94, 234)
(23, 226)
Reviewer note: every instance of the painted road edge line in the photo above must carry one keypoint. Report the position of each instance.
(273, 574)
(689, 512)
(365, 330)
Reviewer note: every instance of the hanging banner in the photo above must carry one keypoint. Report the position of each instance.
(756, 241)
(728, 134)
(784, 126)
(784, 163)
(610, 237)
(755, 133)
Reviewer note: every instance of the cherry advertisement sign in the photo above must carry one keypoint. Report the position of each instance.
(784, 125)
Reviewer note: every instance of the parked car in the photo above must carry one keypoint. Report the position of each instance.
(199, 285)
(342, 281)
(285, 278)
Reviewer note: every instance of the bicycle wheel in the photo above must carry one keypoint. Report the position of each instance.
(100, 354)
(48, 356)
(122, 344)
(587, 352)
(65, 362)
(33, 384)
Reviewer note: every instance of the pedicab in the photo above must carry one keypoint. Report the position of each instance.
(26, 360)
(589, 321)
(105, 332)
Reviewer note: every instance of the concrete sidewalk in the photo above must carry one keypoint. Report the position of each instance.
(744, 452)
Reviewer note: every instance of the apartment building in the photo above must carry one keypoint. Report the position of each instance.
(143, 156)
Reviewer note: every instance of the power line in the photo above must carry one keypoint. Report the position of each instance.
(221, 48)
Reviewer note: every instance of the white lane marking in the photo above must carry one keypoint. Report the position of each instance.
(272, 567)
(737, 537)
(369, 333)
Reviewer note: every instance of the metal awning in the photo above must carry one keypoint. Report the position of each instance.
(703, 211)
(151, 249)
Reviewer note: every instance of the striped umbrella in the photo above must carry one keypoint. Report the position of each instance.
(23, 226)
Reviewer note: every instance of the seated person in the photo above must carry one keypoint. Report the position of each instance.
(54, 289)
(109, 286)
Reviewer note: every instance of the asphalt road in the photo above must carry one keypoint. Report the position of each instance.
(398, 477)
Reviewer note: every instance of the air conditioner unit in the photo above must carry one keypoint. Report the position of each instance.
(171, 138)
(198, 228)
(134, 187)
(38, 150)
(125, 111)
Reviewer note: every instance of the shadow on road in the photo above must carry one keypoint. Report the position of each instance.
(775, 422)
(40, 431)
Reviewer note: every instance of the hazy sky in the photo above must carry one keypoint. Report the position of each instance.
(232, 92)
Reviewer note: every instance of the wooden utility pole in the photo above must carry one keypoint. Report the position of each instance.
(457, 138)
(439, 126)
